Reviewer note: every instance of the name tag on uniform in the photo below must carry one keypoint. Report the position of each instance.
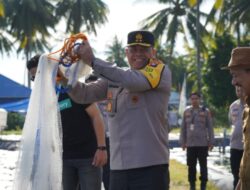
(65, 104)
(192, 127)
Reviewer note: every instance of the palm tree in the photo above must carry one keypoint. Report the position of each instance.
(5, 43)
(29, 22)
(177, 17)
(116, 53)
(180, 16)
(178, 66)
(88, 13)
(231, 15)
(240, 16)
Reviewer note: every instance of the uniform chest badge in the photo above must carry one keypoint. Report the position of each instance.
(109, 106)
(135, 99)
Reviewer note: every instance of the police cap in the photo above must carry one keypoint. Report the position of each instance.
(140, 37)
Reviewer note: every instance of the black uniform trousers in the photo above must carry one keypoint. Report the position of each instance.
(146, 178)
(194, 154)
(106, 168)
(235, 158)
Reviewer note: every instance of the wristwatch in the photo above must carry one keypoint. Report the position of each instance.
(102, 148)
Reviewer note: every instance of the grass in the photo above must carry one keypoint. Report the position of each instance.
(11, 132)
(179, 179)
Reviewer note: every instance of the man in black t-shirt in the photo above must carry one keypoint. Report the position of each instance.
(102, 105)
(84, 149)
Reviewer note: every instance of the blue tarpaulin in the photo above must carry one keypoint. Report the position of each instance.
(14, 97)
(19, 106)
(11, 91)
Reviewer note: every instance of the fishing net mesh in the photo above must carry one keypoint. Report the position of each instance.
(39, 166)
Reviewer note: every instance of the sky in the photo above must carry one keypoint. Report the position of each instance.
(124, 16)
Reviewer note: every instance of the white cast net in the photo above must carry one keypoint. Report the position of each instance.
(39, 165)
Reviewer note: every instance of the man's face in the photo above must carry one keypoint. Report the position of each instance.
(241, 77)
(195, 100)
(138, 56)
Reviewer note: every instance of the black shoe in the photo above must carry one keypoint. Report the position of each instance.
(203, 186)
(192, 186)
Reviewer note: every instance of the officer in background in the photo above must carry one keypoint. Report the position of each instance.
(137, 101)
(236, 141)
(239, 66)
(197, 137)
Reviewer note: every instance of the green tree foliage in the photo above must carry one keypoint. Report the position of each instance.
(116, 53)
(5, 43)
(29, 22)
(79, 13)
(233, 16)
(15, 121)
(180, 66)
(239, 20)
(177, 17)
(218, 88)
(177, 65)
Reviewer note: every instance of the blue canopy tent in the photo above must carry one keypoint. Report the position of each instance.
(19, 106)
(13, 96)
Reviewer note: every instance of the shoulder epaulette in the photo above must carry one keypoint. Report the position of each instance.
(152, 71)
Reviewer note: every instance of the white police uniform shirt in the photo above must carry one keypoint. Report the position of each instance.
(235, 118)
(137, 123)
(196, 128)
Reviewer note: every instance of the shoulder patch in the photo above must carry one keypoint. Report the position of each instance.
(153, 71)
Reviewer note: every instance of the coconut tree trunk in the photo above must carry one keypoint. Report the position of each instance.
(238, 32)
(198, 45)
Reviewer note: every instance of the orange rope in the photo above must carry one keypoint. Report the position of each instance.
(67, 51)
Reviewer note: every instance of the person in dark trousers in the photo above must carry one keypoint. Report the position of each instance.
(236, 142)
(84, 148)
(137, 99)
(197, 137)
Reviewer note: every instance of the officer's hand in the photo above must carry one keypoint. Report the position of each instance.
(86, 53)
(100, 158)
(60, 78)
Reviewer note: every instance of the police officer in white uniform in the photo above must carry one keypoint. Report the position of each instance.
(197, 137)
(236, 142)
(137, 101)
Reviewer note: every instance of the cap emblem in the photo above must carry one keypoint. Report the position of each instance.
(138, 38)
